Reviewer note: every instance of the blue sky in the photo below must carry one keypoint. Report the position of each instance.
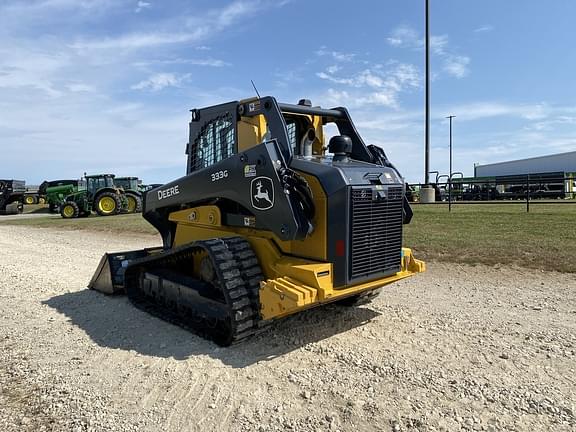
(106, 85)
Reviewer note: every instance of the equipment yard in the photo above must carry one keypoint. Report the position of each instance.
(458, 348)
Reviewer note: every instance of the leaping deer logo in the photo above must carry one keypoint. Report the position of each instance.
(262, 193)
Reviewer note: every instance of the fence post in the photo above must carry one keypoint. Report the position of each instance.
(528, 193)
(449, 195)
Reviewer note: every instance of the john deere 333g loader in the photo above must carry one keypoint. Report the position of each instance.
(267, 222)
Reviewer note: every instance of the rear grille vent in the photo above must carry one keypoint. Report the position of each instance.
(376, 232)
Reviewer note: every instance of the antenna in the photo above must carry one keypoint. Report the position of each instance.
(255, 89)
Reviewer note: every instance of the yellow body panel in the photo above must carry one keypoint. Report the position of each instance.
(291, 284)
(251, 132)
(314, 246)
(285, 296)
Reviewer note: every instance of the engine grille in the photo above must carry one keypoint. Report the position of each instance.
(376, 232)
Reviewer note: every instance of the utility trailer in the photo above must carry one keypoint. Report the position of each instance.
(11, 196)
(33, 196)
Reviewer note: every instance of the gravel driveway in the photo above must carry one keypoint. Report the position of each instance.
(457, 348)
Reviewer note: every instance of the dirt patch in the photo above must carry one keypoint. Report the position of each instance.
(458, 348)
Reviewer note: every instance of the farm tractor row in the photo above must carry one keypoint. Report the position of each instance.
(105, 194)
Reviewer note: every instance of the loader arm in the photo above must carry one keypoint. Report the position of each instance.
(267, 196)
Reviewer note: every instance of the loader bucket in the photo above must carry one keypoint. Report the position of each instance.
(109, 275)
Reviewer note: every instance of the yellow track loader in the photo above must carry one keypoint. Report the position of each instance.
(267, 222)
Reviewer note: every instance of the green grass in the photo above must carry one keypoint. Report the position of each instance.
(35, 208)
(130, 223)
(490, 234)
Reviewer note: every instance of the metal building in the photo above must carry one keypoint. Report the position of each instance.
(556, 163)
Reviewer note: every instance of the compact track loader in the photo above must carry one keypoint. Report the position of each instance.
(267, 222)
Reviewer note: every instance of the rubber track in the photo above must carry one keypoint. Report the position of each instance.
(239, 276)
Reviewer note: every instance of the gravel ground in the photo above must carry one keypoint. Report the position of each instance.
(457, 348)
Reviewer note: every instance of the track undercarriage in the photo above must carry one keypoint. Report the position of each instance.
(209, 287)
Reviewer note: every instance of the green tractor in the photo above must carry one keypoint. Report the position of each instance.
(55, 191)
(132, 189)
(100, 195)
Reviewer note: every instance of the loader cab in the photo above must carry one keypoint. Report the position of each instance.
(220, 131)
(97, 182)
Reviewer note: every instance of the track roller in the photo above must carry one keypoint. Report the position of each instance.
(209, 287)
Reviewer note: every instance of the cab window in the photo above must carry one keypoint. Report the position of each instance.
(214, 143)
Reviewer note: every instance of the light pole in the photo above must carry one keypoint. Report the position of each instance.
(450, 117)
(427, 102)
(427, 192)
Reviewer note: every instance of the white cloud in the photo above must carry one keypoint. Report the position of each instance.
(17, 14)
(333, 69)
(407, 37)
(193, 29)
(141, 5)
(80, 88)
(362, 79)
(136, 41)
(44, 5)
(160, 81)
(287, 78)
(206, 62)
(389, 120)
(484, 29)
(553, 124)
(336, 55)
(334, 97)
(328, 77)
(183, 61)
(483, 110)
(457, 66)
(227, 16)
(379, 86)
(23, 68)
(438, 44)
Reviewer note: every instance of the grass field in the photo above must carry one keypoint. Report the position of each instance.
(132, 223)
(489, 234)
